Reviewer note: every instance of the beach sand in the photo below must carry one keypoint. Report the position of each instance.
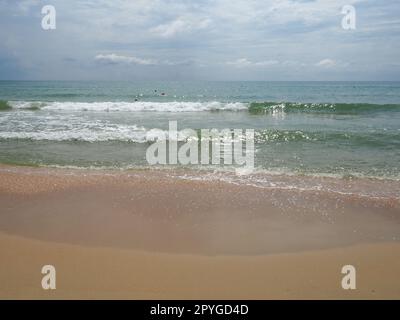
(145, 234)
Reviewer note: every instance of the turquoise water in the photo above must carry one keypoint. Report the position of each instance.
(322, 128)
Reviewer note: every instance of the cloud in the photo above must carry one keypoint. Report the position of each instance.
(184, 62)
(326, 63)
(180, 25)
(291, 63)
(228, 39)
(24, 6)
(118, 59)
(244, 62)
(121, 59)
(281, 12)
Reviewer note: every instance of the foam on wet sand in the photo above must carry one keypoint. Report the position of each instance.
(150, 234)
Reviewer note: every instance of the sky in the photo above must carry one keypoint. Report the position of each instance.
(280, 40)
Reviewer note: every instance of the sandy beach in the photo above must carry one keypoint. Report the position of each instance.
(150, 234)
(200, 150)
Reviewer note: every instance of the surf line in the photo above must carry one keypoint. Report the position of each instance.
(205, 147)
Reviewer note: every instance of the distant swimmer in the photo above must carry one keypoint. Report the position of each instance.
(163, 93)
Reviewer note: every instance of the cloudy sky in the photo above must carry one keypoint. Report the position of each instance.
(200, 40)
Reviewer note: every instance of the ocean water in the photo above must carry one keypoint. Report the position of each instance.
(340, 129)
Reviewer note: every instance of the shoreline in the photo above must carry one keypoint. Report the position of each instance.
(276, 180)
(158, 235)
(159, 211)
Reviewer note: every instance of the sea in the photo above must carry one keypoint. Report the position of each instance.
(342, 130)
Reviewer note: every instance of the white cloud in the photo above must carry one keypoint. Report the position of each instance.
(291, 63)
(114, 58)
(19, 8)
(121, 59)
(184, 62)
(280, 12)
(180, 25)
(244, 62)
(326, 63)
(26, 5)
(213, 34)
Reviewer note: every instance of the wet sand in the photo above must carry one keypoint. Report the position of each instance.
(145, 234)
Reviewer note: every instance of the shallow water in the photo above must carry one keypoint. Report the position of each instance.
(343, 129)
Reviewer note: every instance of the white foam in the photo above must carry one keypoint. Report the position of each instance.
(96, 133)
(173, 106)
(105, 133)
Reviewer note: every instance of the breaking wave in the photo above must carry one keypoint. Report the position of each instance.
(179, 106)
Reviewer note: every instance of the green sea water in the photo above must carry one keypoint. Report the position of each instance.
(342, 129)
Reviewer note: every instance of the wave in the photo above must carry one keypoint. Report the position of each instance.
(372, 138)
(337, 108)
(120, 133)
(138, 134)
(5, 105)
(182, 106)
(136, 106)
